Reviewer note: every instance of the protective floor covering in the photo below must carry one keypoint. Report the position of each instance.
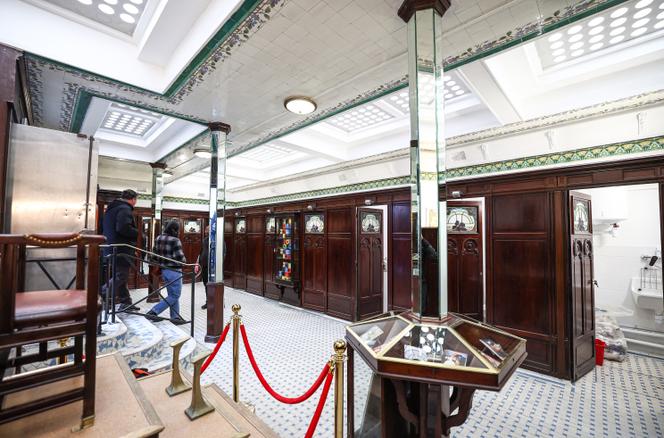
(291, 345)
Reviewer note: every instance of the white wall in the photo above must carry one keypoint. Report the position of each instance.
(618, 259)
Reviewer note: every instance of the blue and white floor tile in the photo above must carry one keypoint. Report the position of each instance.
(291, 345)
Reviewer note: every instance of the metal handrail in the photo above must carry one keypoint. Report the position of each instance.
(150, 253)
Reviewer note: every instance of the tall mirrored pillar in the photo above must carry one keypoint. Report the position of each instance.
(157, 200)
(154, 228)
(427, 154)
(214, 285)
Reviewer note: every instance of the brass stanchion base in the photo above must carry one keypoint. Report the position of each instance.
(178, 385)
(199, 406)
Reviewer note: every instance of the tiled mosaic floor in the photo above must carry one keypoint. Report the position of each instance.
(616, 400)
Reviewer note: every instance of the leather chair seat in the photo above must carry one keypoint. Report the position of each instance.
(49, 307)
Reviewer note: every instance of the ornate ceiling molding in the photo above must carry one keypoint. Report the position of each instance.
(602, 109)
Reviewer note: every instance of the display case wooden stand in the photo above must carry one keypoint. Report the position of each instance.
(425, 369)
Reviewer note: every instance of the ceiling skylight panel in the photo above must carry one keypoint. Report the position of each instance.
(601, 31)
(266, 153)
(121, 15)
(128, 120)
(361, 117)
(453, 87)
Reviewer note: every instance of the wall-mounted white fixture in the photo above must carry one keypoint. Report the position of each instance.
(368, 202)
(484, 151)
(641, 122)
(551, 138)
(456, 194)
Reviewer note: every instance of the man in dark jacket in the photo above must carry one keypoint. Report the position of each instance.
(118, 227)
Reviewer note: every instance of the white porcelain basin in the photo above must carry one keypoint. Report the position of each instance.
(647, 298)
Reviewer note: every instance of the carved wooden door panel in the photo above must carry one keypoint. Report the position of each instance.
(465, 260)
(369, 262)
(314, 263)
(583, 296)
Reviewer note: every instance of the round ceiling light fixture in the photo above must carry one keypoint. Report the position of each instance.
(203, 153)
(300, 105)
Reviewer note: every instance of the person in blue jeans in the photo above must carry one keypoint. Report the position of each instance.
(168, 245)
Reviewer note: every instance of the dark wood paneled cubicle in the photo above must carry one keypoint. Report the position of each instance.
(325, 256)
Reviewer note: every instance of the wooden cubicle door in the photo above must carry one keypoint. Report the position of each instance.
(255, 237)
(314, 262)
(521, 288)
(240, 253)
(400, 257)
(369, 259)
(583, 296)
(192, 237)
(340, 270)
(465, 270)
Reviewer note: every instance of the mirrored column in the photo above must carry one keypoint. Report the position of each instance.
(427, 155)
(157, 200)
(219, 132)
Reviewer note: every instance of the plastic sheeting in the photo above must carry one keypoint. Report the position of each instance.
(608, 330)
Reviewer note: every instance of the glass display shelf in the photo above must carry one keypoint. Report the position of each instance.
(452, 349)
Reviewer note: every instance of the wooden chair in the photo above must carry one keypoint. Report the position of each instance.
(41, 316)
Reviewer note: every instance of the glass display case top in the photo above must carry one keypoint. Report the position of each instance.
(452, 342)
(379, 333)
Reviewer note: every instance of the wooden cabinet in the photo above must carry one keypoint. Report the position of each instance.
(286, 269)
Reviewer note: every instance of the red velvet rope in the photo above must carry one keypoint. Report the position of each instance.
(268, 388)
(216, 348)
(319, 408)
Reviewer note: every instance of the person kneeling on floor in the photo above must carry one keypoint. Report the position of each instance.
(168, 245)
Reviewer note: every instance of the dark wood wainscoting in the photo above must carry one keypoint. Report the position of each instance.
(529, 256)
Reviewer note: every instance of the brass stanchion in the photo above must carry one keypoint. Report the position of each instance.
(177, 385)
(199, 406)
(339, 357)
(236, 351)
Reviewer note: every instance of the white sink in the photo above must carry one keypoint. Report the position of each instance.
(647, 298)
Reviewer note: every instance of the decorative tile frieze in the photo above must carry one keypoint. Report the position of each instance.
(655, 144)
